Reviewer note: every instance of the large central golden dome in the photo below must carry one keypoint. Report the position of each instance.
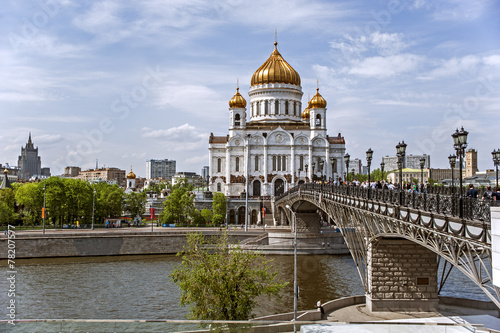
(275, 70)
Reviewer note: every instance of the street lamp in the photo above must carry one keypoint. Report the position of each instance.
(43, 211)
(382, 166)
(307, 175)
(460, 143)
(313, 170)
(93, 210)
(496, 161)
(422, 164)
(369, 155)
(321, 165)
(333, 162)
(347, 158)
(400, 153)
(295, 287)
(453, 164)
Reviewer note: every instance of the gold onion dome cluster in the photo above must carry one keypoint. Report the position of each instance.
(305, 113)
(131, 175)
(275, 70)
(317, 101)
(237, 101)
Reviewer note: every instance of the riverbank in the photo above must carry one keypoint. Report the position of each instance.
(143, 241)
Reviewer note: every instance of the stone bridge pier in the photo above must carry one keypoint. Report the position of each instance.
(402, 276)
(308, 223)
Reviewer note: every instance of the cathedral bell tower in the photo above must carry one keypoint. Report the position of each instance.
(237, 111)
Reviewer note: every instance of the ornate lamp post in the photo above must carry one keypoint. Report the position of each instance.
(307, 175)
(321, 165)
(453, 164)
(460, 143)
(382, 166)
(295, 287)
(313, 169)
(333, 162)
(43, 211)
(496, 161)
(422, 165)
(400, 153)
(347, 157)
(93, 210)
(369, 155)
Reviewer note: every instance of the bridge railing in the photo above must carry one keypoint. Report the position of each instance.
(445, 204)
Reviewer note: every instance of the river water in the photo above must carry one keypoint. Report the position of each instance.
(139, 287)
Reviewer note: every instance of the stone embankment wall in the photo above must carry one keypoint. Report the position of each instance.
(77, 244)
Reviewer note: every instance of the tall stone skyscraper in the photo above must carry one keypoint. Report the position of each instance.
(29, 162)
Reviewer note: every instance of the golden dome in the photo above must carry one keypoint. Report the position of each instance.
(131, 175)
(275, 70)
(317, 101)
(237, 101)
(305, 113)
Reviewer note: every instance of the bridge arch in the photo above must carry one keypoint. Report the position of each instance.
(465, 245)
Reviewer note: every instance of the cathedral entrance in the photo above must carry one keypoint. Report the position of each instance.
(279, 187)
(231, 217)
(256, 188)
(254, 216)
(241, 215)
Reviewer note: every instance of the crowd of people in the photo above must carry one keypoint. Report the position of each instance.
(381, 184)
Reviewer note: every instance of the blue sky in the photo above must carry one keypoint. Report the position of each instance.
(126, 81)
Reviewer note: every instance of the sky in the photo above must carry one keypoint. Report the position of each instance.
(123, 82)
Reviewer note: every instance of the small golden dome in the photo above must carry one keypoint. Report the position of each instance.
(131, 175)
(6, 171)
(237, 101)
(275, 70)
(305, 114)
(317, 101)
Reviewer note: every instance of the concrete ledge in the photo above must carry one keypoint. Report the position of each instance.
(411, 305)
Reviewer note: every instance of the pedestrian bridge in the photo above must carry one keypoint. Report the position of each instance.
(394, 237)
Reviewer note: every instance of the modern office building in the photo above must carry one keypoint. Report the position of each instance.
(160, 169)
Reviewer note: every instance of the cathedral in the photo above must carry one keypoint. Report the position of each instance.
(272, 145)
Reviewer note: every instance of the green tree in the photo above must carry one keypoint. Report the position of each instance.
(135, 203)
(179, 203)
(219, 204)
(221, 282)
(29, 197)
(7, 206)
(207, 215)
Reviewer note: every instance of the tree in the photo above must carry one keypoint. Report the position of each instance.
(221, 282)
(219, 208)
(135, 203)
(7, 206)
(207, 215)
(179, 203)
(29, 197)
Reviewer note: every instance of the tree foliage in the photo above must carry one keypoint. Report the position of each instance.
(221, 282)
(179, 205)
(135, 203)
(219, 204)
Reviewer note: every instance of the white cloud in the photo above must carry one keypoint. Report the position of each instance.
(375, 43)
(184, 133)
(471, 65)
(386, 66)
(454, 10)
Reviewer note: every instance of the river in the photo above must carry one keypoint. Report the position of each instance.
(139, 287)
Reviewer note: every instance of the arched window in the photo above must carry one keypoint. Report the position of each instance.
(286, 107)
(257, 111)
(256, 162)
(219, 187)
(237, 164)
(237, 120)
(301, 162)
(219, 165)
(266, 108)
(318, 120)
(294, 108)
(276, 107)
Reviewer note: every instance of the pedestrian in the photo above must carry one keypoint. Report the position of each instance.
(472, 192)
(320, 307)
(496, 194)
(488, 194)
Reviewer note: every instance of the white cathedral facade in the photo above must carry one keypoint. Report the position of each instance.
(279, 146)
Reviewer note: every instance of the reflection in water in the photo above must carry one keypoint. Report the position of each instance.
(139, 287)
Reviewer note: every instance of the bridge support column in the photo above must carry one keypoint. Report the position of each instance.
(308, 223)
(402, 276)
